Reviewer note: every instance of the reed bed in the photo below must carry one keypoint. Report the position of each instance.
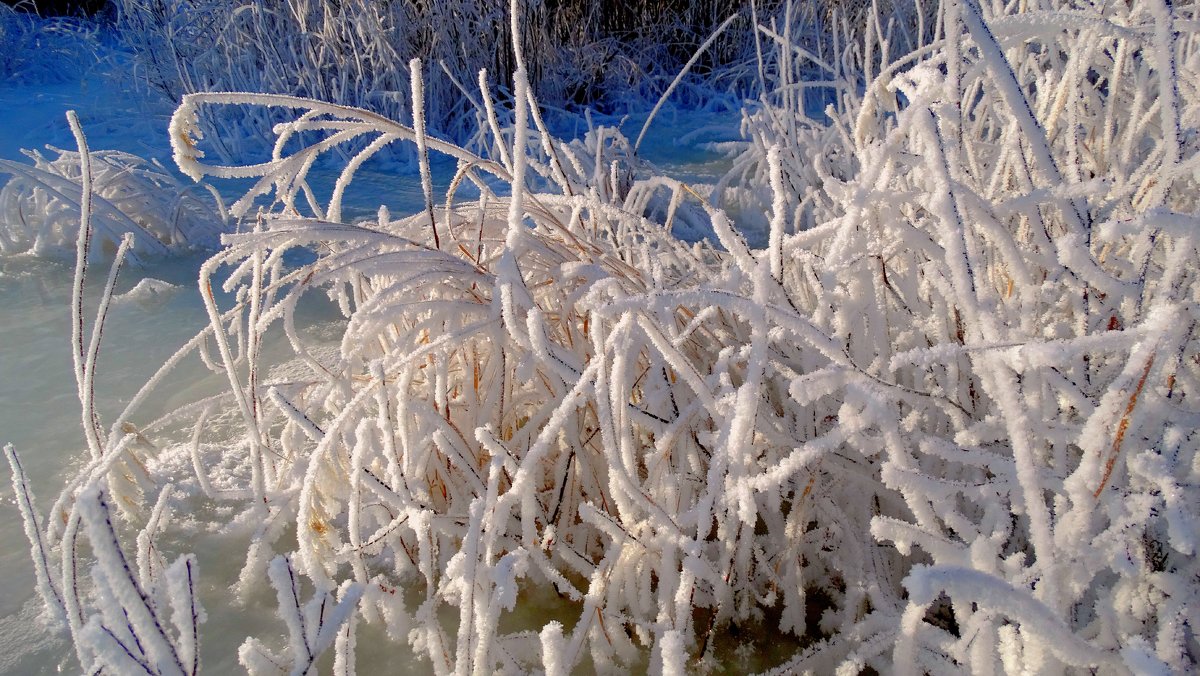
(941, 422)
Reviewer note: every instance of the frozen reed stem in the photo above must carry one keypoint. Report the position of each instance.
(39, 552)
(418, 108)
(83, 244)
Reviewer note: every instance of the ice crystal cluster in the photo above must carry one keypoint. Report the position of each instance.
(945, 421)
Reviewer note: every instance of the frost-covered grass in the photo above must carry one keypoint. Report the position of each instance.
(356, 52)
(36, 49)
(40, 204)
(995, 237)
(942, 421)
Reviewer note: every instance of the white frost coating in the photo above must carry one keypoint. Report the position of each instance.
(1036, 620)
(183, 132)
(674, 654)
(349, 595)
(147, 290)
(1139, 657)
(287, 593)
(41, 204)
(515, 12)
(87, 392)
(1004, 80)
(110, 653)
(418, 110)
(552, 649)
(953, 356)
(1168, 82)
(313, 626)
(47, 588)
(83, 241)
(493, 124)
(778, 213)
(186, 612)
(258, 660)
(150, 564)
(520, 151)
(126, 590)
(904, 655)
(334, 213)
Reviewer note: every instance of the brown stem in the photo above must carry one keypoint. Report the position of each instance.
(1123, 427)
